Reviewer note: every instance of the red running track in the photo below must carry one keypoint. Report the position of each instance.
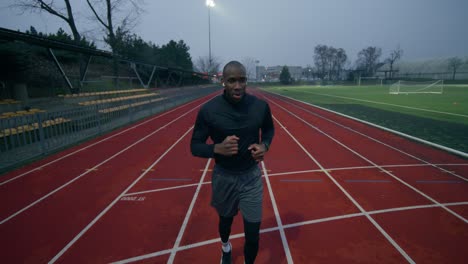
(336, 191)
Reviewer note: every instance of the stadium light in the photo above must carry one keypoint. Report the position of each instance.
(210, 4)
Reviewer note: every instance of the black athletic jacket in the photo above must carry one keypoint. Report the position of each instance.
(220, 118)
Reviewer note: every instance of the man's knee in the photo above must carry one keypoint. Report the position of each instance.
(252, 232)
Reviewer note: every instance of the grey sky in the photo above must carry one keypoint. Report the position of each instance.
(285, 32)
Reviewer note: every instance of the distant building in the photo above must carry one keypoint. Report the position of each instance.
(272, 73)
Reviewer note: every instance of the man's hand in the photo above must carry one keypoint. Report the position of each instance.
(228, 147)
(257, 151)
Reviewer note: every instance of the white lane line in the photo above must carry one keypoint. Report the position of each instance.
(382, 231)
(147, 256)
(187, 216)
(367, 167)
(93, 144)
(450, 150)
(163, 189)
(293, 225)
(73, 241)
(277, 216)
(298, 172)
(406, 208)
(376, 140)
(90, 170)
(374, 164)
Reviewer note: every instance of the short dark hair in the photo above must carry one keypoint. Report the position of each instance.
(234, 64)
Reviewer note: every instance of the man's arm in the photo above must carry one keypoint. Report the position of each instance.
(268, 130)
(198, 145)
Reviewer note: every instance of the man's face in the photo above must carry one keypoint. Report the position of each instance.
(234, 83)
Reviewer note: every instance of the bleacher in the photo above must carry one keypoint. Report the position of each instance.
(25, 120)
(8, 101)
(31, 127)
(39, 125)
(115, 92)
(117, 99)
(31, 111)
(113, 101)
(126, 106)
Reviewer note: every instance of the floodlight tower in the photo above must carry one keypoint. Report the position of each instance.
(210, 4)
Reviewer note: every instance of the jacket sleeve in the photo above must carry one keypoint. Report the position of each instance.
(268, 130)
(198, 145)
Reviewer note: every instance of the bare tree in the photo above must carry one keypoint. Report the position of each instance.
(203, 64)
(321, 59)
(338, 58)
(368, 60)
(453, 64)
(116, 16)
(250, 64)
(329, 61)
(63, 12)
(394, 56)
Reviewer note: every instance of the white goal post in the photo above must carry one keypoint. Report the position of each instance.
(375, 81)
(411, 87)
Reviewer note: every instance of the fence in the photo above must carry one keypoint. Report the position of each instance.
(462, 75)
(30, 136)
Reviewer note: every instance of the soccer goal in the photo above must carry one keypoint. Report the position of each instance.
(410, 87)
(375, 81)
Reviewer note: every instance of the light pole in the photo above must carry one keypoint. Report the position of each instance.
(210, 4)
(256, 70)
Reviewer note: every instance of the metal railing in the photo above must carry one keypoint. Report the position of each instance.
(27, 137)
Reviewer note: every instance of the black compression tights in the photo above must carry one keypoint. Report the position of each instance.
(251, 231)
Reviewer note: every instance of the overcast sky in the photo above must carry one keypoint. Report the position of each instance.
(285, 32)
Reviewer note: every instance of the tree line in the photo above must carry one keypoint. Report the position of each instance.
(330, 64)
(116, 18)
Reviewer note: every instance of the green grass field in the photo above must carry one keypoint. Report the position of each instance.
(439, 118)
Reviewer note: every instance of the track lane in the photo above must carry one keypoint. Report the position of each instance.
(426, 153)
(70, 209)
(380, 236)
(331, 154)
(430, 248)
(368, 153)
(27, 191)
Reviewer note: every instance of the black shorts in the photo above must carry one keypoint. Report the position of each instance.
(232, 191)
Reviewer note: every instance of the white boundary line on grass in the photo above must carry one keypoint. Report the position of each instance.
(90, 170)
(80, 234)
(453, 151)
(382, 103)
(366, 214)
(93, 144)
(187, 216)
(278, 217)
